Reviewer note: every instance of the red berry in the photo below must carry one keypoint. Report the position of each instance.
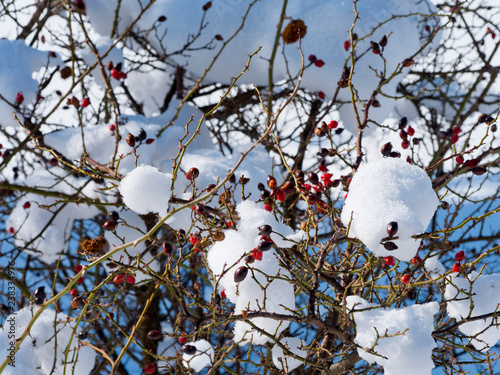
(26, 205)
(130, 280)
(192, 174)
(149, 369)
(53, 162)
(460, 256)
(116, 74)
(78, 268)
(267, 207)
(454, 138)
(456, 268)
(460, 159)
(19, 97)
(456, 130)
(281, 195)
(118, 279)
(183, 338)
(405, 279)
(73, 292)
(193, 239)
(410, 131)
(312, 58)
(392, 228)
(333, 124)
(408, 160)
(321, 95)
(257, 254)
(149, 141)
(389, 261)
(416, 260)
(223, 294)
(112, 127)
(405, 144)
(345, 196)
(85, 102)
(323, 168)
(11, 230)
(319, 63)
(79, 281)
(347, 45)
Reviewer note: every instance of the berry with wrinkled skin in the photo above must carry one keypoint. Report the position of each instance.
(118, 279)
(257, 254)
(19, 97)
(26, 205)
(271, 182)
(130, 280)
(456, 268)
(183, 338)
(73, 292)
(416, 260)
(460, 256)
(383, 41)
(223, 294)
(390, 246)
(347, 45)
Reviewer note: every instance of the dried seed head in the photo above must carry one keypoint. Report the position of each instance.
(293, 31)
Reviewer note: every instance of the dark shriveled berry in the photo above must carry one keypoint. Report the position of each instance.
(189, 349)
(110, 225)
(392, 228)
(240, 274)
(386, 149)
(155, 335)
(167, 248)
(130, 140)
(40, 292)
(113, 215)
(313, 178)
(265, 230)
(390, 246)
(265, 245)
(402, 123)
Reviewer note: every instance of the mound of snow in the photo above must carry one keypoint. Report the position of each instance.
(384, 191)
(402, 337)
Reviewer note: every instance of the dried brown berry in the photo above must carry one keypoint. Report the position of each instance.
(240, 274)
(265, 245)
(408, 62)
(65, 72)
(265, 230)
(155, 335)
(207, 6)
(193, 174)
(402, 123)
(383, 41)
(375, 103)
(392, 228)
(130, 140)
(110, 225)
(390, 246)
(271, 182)
(386, 149)
(313, 178)
(478, 171)
(293, 31)
(219, 236)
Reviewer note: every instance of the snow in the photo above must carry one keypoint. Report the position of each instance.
(248, 295)
(16, 75)
(402, 336)
(284, 361)
(29, 224)
(389, 190)
(204, 356)
(472, 298)
(406, 37)
(38, 353)
(168, 347)
(434, 266)
(146, 189)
